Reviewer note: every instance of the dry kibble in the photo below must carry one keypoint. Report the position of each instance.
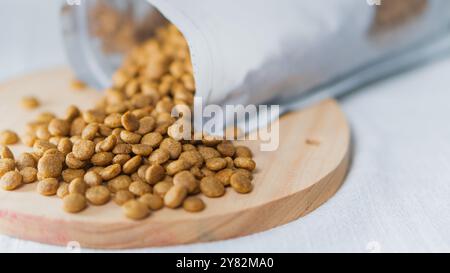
(226, 149)
(186, 179)
(207, 172)
(114, 120)
(245, 163)
(29, 175)
(241, 183)
(154, 174)
(8, 137)
(110, 172)
(139, 188)
(122, 148)
(11, 180)
(73, 162)
(70, 174)
(152, 139)
(94, 116)
(208, 152)
(72, 113)
(197, 172)
(102, 159)
(54, 152)
(119, 183)
(83, 149)
(77, 127)
(63, 190)
(29, 102)
(90, 131)
(146, 125)
(245, 172)
(48, 186)
(123, 196)
(172, 146)
(50, 166)
(212, 187)
(162, 188)
(175, 196)
(130, 137)
(92, 178)
(98, 195)
(43, 133)
(153, 202)
(130, 122)
(142, 149)
(108, 143)
(65, 146)
(193, 204)
(41, 146)
(135, 210)
(59, 127)
(5, 152)
(216, 164)
(121, 159)
(77, 186)
(25, 160)
(74, 202)
(177, 166)
(45, 117)
(242, 151)
(28, 139)
(6, 165)
(193, 157)
(132, 165)
(224, 176)
(159, 156)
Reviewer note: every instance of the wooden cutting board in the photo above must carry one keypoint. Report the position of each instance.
(307, 169)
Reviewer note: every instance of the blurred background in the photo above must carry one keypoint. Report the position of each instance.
(396, 196)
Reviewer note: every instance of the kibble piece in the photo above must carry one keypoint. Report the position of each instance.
(153, 202)
(123, 196)
(29, 102)
(242, 151)
(122, 148)
(74, 202)
(77, 186)
(119, 183)
(104, 130)
(48, 186)
(5, 152)
(193, 157)
(121, 159)
(77, 127)
(193, 204)
(8, 137)
(141, 171)
(132, 165)
(102, 159)
(135, 210)
(11, 180)
(92, 178)
(241, 183)
(186, 179)
(43, 133)
(45, 117)
(226, 148)
(245, 172)
(208, 152)
(50, 166)
(72, 112)
(94, 116)
(59, 127)
(73, 162)
(162, 188)
(63, 190)
(108, 143)
(197, 172)
(154, 174)
(83, 149)
(245, 163)
(153, 139)
(224, 176)
(216, 164)
(54, 152)
(212, 187)
(207, 172)
(172, 146)
(70, 174)
(98, 195)
(41, 146)
(146, 125)
(142, 149)
(159, 156)
(28, 139)
(29, 175)
(177, 166)
(6, 165)
(90, 131)
(110, 172)
(114, 120)
(130, 122)
(130, 137)
(139, 188)
(175, 196)
(65, 146)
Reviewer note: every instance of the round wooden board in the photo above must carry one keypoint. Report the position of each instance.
(289, 183)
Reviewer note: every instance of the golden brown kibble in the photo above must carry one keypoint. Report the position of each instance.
(193, 204)
(154, 174)
(139, 188)
(28, 140)
(94, 116)
(208, 152)
(197, 172)
(245, 163)
(59, 127)
(6, 165)
(121, 159)
(245, 172)
(142, 149)
(43, 133)
(65, 146)
(212, 187)
(29, 175)
(73, 162)
(132, 165)
(72, 112)
(110, 172)
(77, 126)
(135, 210)
(48, 186)
(226, 148)
(207, 172)
(152, 139)
(175, 196)
(83, 149)
(153, 202)
(78, 186)
(119, 183)
(130, 122)
(50, 166)
(193, 157)
(63, 190)
(92, 178)
(98, 195)
(146, 125)
(186, 179)
(123, 196)
(90, 131)
(8, 137)
(113, 120)
(216, 164)
(159, 156)
(54, 152)
(74, 203)
(5, 152)
(108, 143)
(130, 137)
(242, 151)
(161, 188)
(102, 159)
(29, 102)
(172, 146)
(241, 183)
(122, 148)
(70, 174)
(11, 180)
(224, 176)
(177, 166)
(41, 146)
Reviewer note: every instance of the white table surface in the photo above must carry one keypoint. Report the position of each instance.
(396, 197)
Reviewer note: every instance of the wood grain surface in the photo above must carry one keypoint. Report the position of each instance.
(306, 170)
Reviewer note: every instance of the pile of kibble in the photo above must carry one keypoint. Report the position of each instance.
(123, 148)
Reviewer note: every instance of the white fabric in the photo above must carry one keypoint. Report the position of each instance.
(396, 196)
